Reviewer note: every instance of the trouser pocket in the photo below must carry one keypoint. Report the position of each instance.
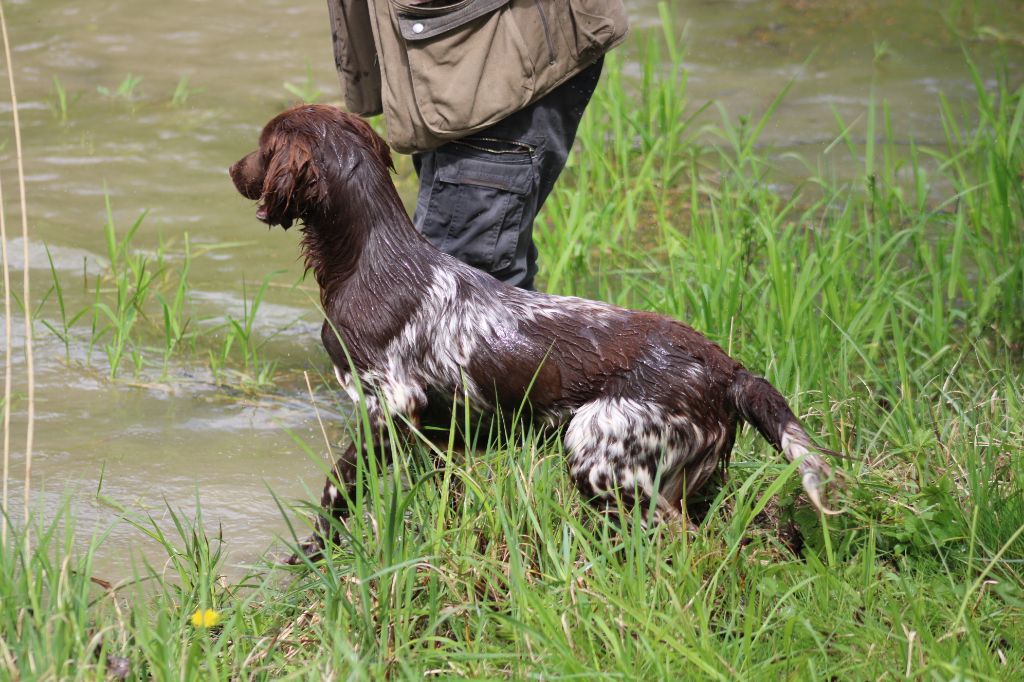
(480, 204)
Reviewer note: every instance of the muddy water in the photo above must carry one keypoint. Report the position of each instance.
(164, 439)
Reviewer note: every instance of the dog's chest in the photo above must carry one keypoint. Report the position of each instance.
(435, 349)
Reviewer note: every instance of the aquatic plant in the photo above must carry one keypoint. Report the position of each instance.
(182, 92)
(139, 307)
(306, 90)
(61, 102)
(127, 89)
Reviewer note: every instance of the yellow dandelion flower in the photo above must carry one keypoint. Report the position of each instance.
(205, 618)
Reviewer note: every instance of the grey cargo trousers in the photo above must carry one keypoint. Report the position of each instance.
(479, 195)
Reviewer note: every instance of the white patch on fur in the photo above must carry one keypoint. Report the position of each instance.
(534, 306)
(606, 423)
(401, 393)
(595, 475)
(347, 385)
(437, 343)
(369, 396)
(694, 372)
(449, 326)
(659, 444)
(450, 329)
(543, 309)
(699, 473)
(636, 479)
(794, 442)
(814, 472)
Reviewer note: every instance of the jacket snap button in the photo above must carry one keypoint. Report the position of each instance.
(417, 28)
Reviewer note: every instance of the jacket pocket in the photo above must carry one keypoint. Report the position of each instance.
(468, 63)
(597, 25)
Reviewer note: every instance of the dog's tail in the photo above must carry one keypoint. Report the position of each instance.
(766, 410)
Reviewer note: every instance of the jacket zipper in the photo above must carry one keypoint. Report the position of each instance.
(547, 32)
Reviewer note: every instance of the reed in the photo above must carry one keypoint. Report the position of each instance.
(26, 299)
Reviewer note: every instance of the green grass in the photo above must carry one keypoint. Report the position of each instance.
(887, 308)
(140, 314)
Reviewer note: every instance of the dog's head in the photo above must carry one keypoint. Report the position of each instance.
(304, 162)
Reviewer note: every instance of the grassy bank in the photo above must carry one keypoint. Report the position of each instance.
(887, 307)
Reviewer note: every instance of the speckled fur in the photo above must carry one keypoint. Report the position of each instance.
(649, 407)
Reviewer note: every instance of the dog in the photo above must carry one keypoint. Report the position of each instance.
(648, 408)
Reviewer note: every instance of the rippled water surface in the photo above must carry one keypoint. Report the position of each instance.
(168, 436)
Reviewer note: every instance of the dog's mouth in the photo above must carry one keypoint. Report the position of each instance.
(261, 215)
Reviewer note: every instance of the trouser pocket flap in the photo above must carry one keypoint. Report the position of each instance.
(509, 177)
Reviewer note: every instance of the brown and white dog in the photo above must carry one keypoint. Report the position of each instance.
(648, 406)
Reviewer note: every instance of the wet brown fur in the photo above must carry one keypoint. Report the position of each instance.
(330, 171)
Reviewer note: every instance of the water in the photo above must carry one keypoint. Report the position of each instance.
(166, 440)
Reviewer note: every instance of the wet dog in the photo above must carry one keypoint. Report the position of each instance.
(647, 406)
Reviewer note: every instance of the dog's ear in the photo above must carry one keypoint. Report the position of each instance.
(292, 180)
(374, 142)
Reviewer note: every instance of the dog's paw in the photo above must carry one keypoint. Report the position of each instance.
(311, 549)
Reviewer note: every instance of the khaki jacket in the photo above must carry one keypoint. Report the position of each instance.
(443, 69)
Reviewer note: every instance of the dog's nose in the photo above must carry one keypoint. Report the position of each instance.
(246, 180)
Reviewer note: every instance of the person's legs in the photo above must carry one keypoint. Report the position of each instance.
(479, 195)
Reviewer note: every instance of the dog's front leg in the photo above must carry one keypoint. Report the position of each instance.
(339, 491)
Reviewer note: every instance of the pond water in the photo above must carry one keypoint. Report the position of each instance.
(158, 439)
